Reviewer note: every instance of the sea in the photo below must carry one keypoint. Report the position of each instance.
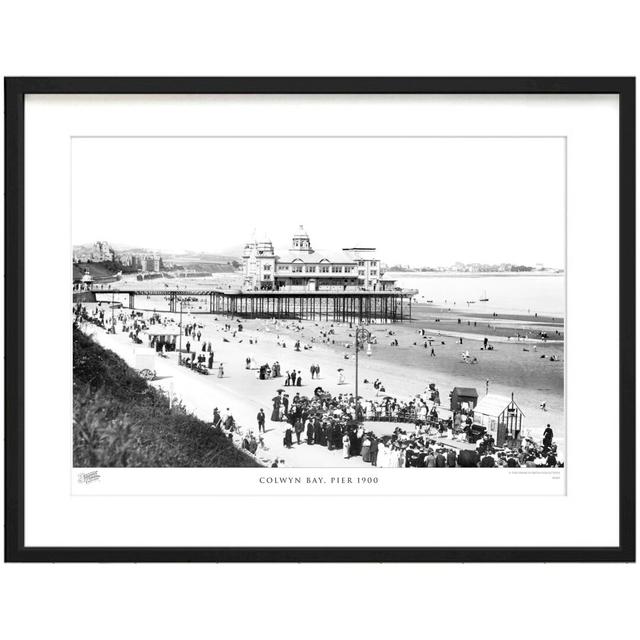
(516, 293)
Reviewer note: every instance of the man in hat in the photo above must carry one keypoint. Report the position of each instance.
(451, 458)
(317, 431)
(261, 418)
(309, 431)
(299, 428)
(330, 435)
(547, 437)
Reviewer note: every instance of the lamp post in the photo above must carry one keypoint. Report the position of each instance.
(362, 334)
(181, 301)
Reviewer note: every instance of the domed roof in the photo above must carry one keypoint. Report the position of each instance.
(301, 233)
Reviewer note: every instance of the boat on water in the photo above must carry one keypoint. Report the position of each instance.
(484, 297)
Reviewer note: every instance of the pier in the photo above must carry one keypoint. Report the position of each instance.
(343, 306)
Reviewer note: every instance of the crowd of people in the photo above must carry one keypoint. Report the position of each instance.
(423, 437)
(338, 422)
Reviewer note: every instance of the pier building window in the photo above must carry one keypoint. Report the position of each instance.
(324, 269)
(311, 269)
(336, 269)
(296, 269)
(266, 267)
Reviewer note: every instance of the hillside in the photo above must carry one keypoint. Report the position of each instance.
(121, 421)
(204, 267)
(96, 269)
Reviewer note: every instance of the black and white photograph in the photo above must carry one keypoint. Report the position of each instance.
(319, 301)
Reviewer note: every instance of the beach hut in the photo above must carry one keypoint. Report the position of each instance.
(500, 416)
(463, 398)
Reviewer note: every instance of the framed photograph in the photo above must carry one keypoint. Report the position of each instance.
(320, 319)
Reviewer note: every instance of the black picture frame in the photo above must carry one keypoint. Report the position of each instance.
(15, 91)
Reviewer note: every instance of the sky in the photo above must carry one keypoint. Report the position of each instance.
(419, 201)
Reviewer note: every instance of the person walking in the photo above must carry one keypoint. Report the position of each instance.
(261, 419)
(220, 371)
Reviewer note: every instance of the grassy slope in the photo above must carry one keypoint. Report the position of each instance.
(121, 421)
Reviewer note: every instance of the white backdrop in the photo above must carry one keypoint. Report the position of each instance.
(332, 37)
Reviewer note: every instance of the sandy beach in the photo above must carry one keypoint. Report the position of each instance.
(513, 366)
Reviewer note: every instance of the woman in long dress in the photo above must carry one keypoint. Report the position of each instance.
(340, 377)
(346, 445)
(275, 414)
(366, 449)
(288, 441)
(382, 454)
